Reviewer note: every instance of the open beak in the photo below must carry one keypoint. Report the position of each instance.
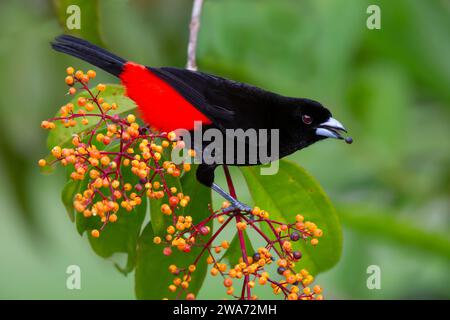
(331, 129)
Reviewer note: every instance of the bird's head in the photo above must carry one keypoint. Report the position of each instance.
(317, 123)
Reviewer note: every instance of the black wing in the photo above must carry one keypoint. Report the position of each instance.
(227, 103)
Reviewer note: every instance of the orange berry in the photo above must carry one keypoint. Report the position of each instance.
(84, 78)
(317, 289)
(72, 90)
(106, 106)
(190, 296)
(214, 271)
(89, 106)
(292, 296)
(227, 282)
(101, 87)
(318, 233)
(165, 208)
(170, 230)
(42, 163)
(112, 218)
(91, 74)
(81, 101)
(69, 80)
(79, 74)
(172, 288)
(241, 226)
(314, 242)
(95, 233)
(105, 160)
(70, 70)
(282, 263)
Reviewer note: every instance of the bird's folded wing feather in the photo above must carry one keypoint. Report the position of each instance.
(227, 103)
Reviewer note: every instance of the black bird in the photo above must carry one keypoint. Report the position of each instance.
(172, 98)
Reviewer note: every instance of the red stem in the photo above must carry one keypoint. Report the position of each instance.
(232, 191)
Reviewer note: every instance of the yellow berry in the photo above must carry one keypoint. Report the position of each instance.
(42, 163)
(131, 118)
(171, 136)
(157, 240)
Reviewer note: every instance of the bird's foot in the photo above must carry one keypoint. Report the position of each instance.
(237, 206)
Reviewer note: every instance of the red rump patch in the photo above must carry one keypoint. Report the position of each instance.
(160, 105)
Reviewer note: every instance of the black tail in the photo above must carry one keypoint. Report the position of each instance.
(90, 53)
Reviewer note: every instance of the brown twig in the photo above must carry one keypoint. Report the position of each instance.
(194, 28)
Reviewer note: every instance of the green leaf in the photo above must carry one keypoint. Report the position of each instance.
(61, 136)
(152, 277)
(234, 252)
(292, 191)
(89, 18)
(378, 223)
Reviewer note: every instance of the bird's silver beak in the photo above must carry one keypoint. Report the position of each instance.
(331, 129)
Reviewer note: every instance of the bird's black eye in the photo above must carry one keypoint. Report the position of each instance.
(307, 119)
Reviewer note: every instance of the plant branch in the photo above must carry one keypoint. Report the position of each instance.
(194, 28)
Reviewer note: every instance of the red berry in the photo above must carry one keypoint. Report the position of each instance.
(204, 230)
(167, 251)
(173, 201)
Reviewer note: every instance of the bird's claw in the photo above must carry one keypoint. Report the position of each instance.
(237, 206)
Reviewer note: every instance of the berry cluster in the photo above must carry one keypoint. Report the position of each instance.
(251, 269)
(120, 162)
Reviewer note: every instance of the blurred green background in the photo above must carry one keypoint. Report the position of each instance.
(390, 88)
